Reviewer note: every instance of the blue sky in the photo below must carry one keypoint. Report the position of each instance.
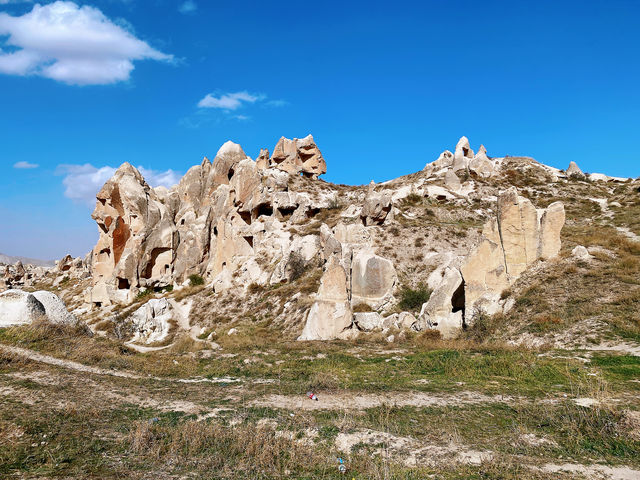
(384, 87)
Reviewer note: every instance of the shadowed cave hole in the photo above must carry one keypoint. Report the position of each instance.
(249, 240)
(123, 284)
(286, 212)
(458, 301)
(312, 212)
(148, 271)
(246, 216)
(230, 174)
(263, 209)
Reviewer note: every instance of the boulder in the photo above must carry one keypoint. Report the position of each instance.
(445, 308)
(298, 156)
(330, 315)
(574, 170)
(55, 309)
(152, 321)
(372, 279)
(368, 321)
(65, 264)
(19, 308)
(376, 207)
(581, 253)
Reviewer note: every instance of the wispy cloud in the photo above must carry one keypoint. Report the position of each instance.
(25, 165)
(229, 101)
(83, 182)
(188, 7)
(71, 44)
(277, 103)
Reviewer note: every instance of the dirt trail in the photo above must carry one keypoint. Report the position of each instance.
(593, 471)
(39, 357)
(360, 401)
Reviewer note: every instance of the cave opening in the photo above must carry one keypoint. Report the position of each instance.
(458, 301)
(264, 209)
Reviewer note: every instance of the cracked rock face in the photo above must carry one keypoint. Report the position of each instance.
(517, 237)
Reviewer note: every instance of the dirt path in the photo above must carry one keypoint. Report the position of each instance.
(39, 357)
(361, 401)
(593, 471)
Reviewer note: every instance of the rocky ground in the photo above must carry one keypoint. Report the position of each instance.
(191, 373)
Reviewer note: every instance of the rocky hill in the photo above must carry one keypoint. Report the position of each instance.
(268, 242)
(477, 319)
(9, 260)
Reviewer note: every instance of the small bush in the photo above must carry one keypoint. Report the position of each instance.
(361, 308)
(255, 288)
(144, 293)
(296, 265)
(412, 199)
(196, 279)
(412, 300)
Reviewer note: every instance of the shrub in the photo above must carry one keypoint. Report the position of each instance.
(412, 300)
(144, 293)
(361, 308)
(296, 265)
(196, 279)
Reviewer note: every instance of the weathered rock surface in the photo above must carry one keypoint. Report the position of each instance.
(445, 308)
(152, 322)
(300, 155)
(55, 309)
(372, 279)
(248, 227)
(368, 321)
(574, 170)
(517, 237)
(376, 208)
(221, 216)
(330, 314)
(18, 308)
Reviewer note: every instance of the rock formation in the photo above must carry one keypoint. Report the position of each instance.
(238, 223)
(574, 170)
(217, 220)
(330, 315)
(300, 155)
(517, 237)
(18, 307)
(152, 322)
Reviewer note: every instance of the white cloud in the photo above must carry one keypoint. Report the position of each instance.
(71, 44)
(229, 101)
(25, 165)
(188, 7)
(83, 182)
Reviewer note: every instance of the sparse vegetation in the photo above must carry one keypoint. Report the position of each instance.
(412, 299)
(195, 280)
